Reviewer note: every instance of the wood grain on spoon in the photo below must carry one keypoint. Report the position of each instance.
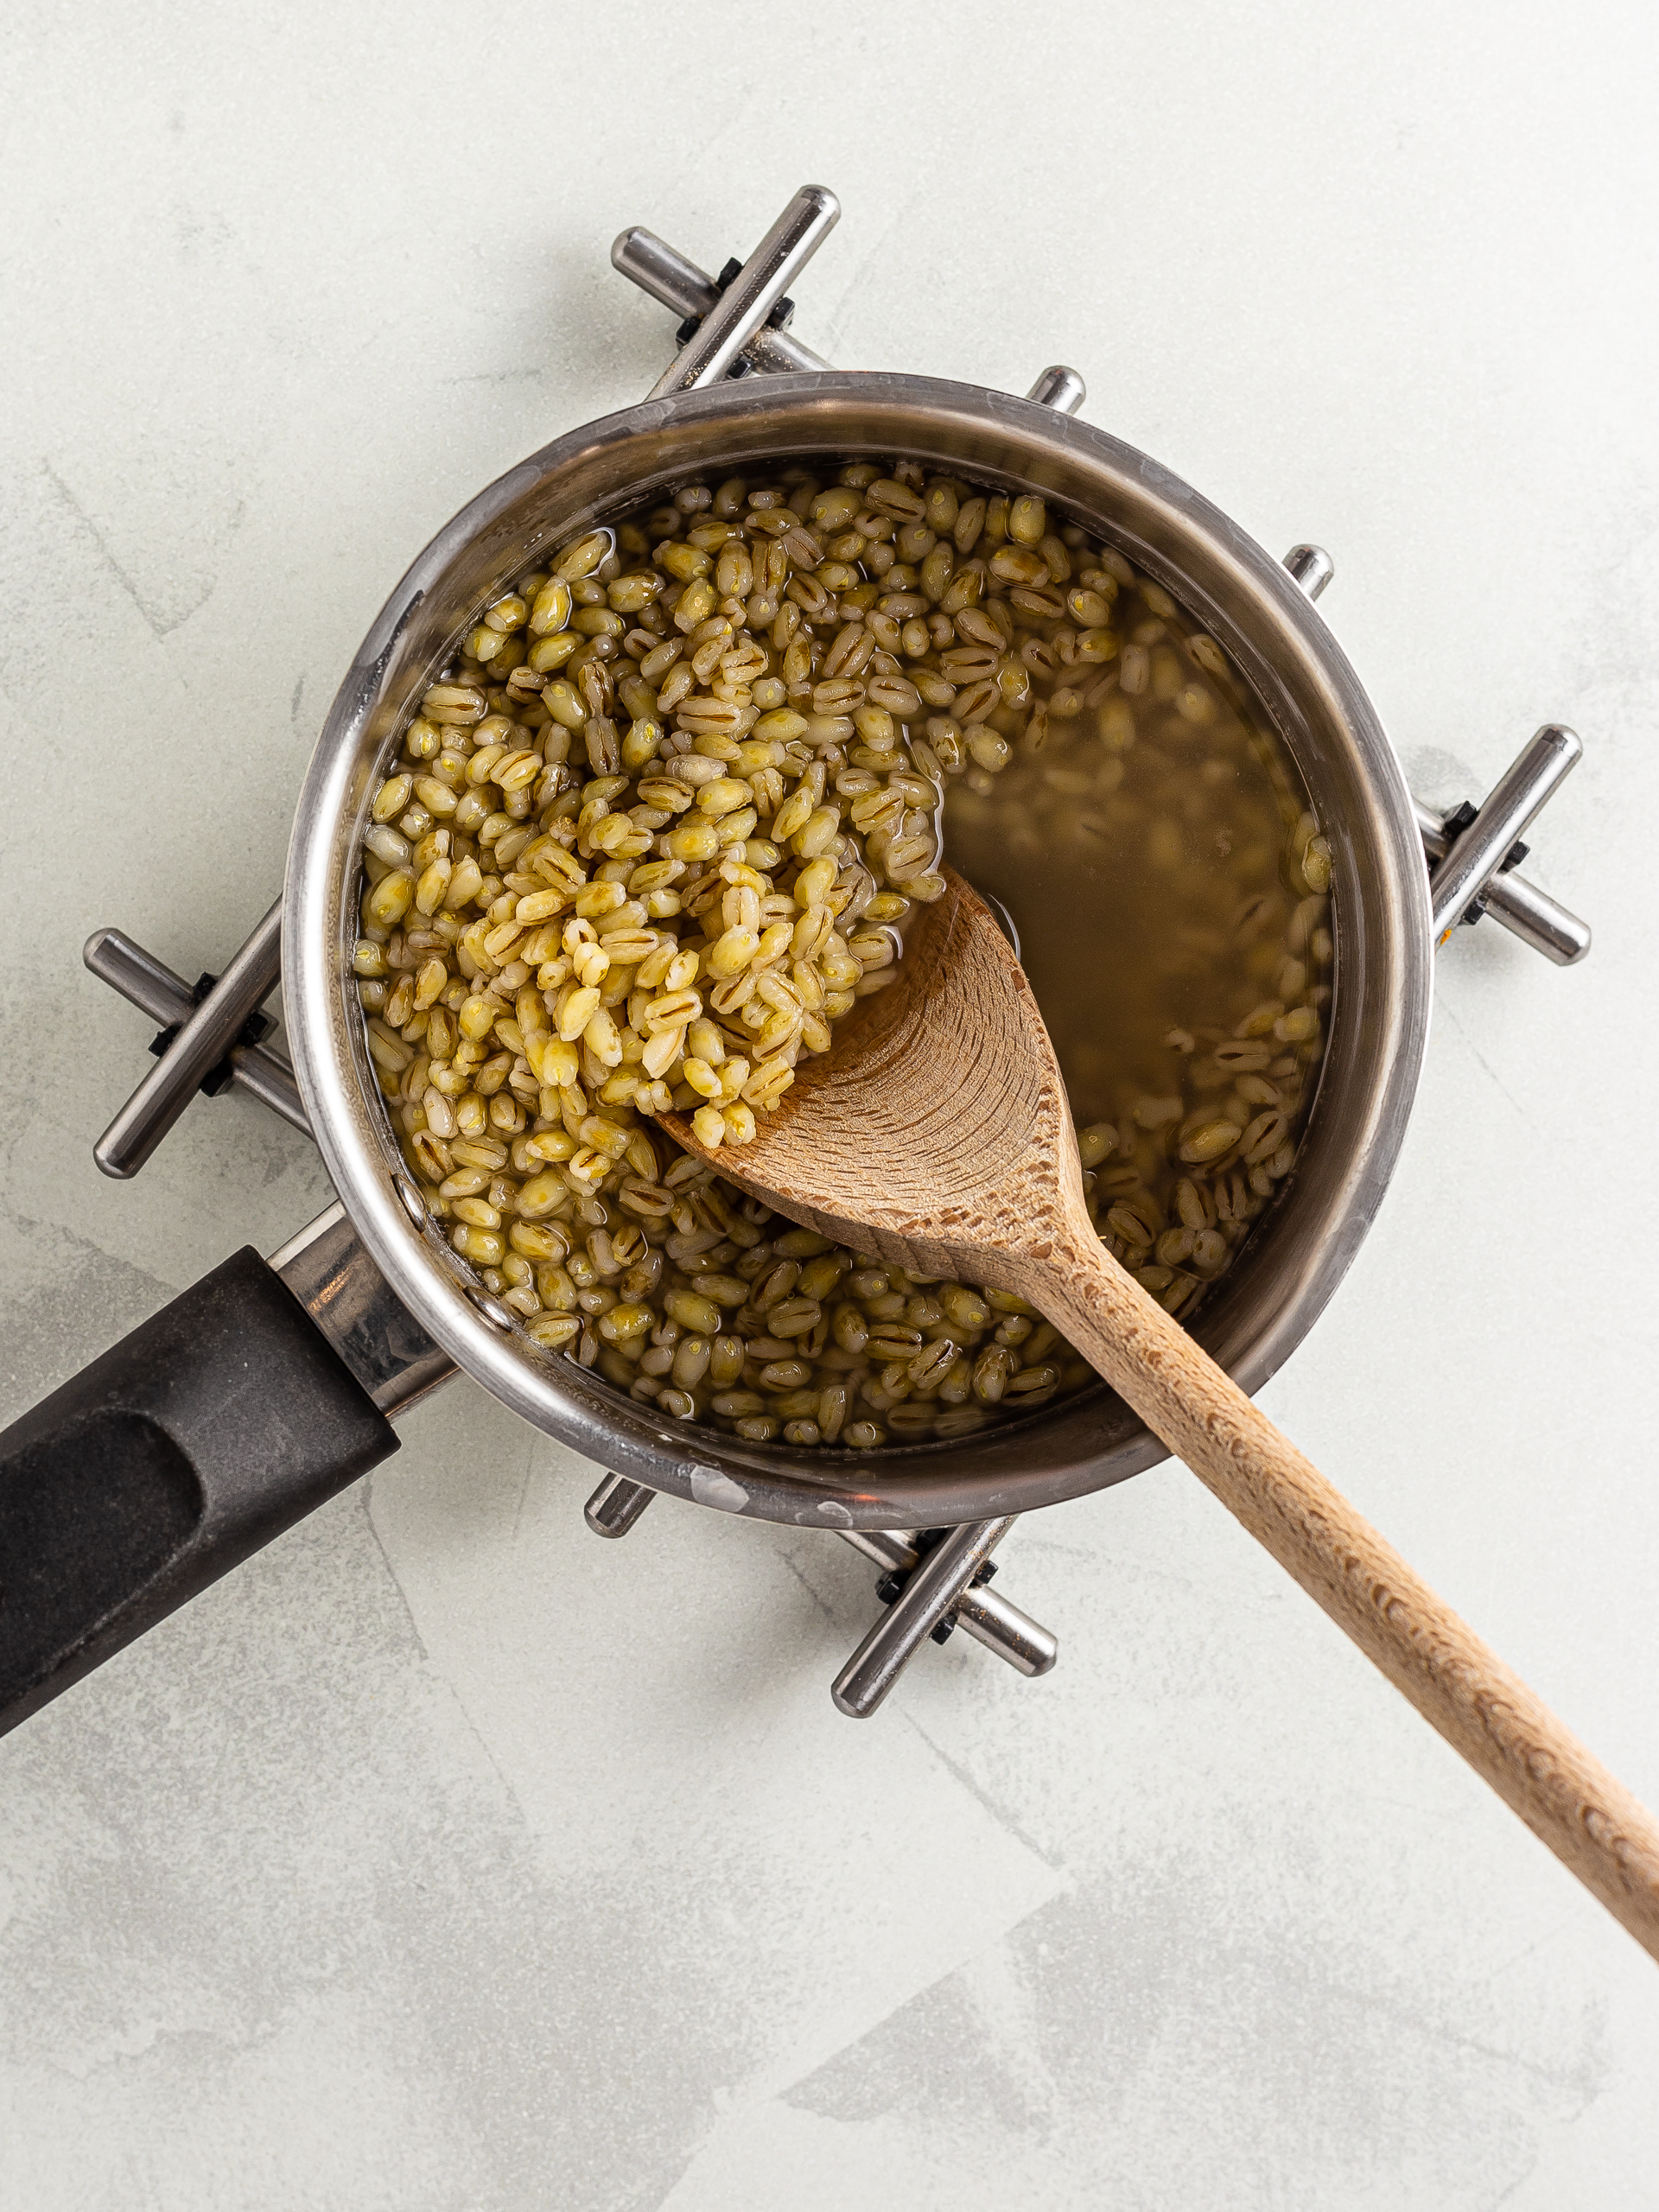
(937, 1135)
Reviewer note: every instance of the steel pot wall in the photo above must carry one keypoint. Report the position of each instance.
(1298, 1253)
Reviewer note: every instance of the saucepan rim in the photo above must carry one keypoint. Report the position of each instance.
(1292, 1265)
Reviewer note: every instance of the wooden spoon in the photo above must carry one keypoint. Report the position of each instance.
(937, 1135)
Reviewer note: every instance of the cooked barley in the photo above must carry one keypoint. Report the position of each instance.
(661, 822)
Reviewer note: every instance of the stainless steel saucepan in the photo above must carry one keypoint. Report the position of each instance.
(267, 1386)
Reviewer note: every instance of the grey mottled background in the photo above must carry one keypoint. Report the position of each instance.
(445, 1859)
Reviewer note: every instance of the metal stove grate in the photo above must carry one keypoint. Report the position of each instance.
(932, 1581)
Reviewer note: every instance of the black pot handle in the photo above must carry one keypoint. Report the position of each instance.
(208, 1431)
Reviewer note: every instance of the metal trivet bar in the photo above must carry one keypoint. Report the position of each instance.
(934, 1581)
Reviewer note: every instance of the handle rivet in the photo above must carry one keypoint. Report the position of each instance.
(492, 1308)
(410, 1199)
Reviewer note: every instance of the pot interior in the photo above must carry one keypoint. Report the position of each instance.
(1297, 1252)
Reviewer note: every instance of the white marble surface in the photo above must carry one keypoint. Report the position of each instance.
(444, 1858)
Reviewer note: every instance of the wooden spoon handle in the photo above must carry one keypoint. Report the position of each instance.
(1566, 1797)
